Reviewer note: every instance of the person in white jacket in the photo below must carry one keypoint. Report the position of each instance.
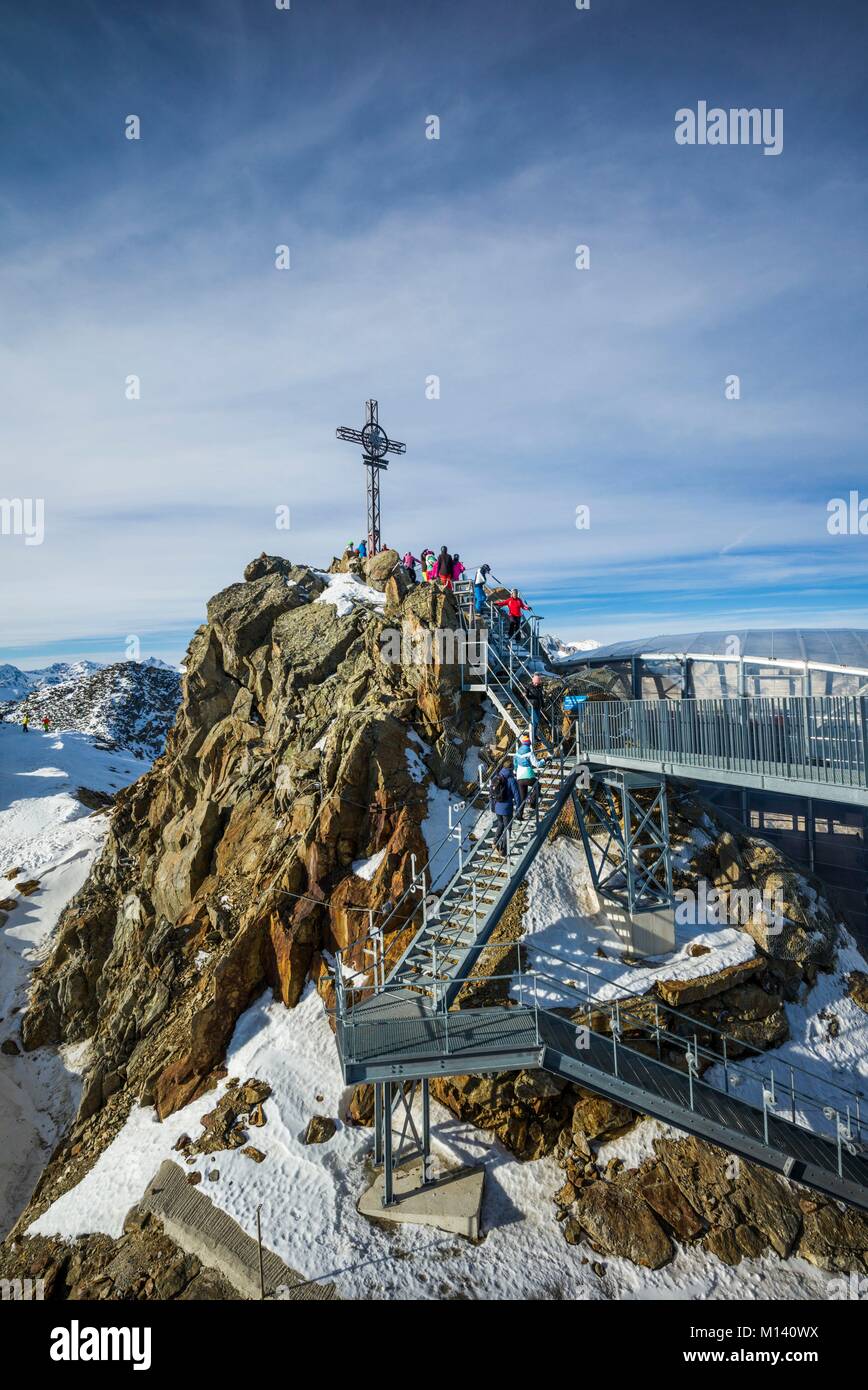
(480, 579)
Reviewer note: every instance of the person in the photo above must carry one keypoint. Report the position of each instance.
(427, 563)
(503, 800)
(362, 551)
(480, 579)
(46, 723)
(443, 568)
(350, 550)
(534, 694)
(526, 767)
(457, 568)
(513, 605)
(410, 562)
(24, 723)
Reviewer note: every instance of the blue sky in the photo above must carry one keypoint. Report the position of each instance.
(411, 258)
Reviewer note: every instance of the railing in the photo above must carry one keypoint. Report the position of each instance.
(722, 1062)
(818, 738)
(386, 958)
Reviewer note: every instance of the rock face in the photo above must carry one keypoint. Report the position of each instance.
(228, 866)
(694, 1193)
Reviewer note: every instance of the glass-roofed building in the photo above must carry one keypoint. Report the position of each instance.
(828, 838)
(754, 661)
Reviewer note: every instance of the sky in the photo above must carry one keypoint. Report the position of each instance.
(414, 258)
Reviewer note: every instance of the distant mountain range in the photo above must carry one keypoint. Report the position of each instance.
(15, 683)
(130, 704)
(559, 651)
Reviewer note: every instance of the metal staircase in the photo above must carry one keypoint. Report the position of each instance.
(400, 1021)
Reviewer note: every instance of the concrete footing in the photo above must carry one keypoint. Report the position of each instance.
(200, 1228)
(452, 1202)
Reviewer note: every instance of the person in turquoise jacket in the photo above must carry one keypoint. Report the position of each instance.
(526, 766)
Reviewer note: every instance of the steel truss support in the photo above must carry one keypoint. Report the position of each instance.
(631, 864)
(396, 1138)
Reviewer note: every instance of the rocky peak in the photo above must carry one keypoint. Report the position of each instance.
(228, 866)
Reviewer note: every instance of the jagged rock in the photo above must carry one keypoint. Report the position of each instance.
(377, 569)
(678, 993)
(668, 1202)
(595, 1117)
(857, 988)
(729, 1192)
(620, 1222)
(256, 1154)
(320, 1128)
(9, 1047)
(94, 800)
(835, 1239)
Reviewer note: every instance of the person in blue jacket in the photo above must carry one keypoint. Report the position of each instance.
(363, 550)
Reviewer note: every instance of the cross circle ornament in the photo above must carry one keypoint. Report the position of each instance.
(375, 441)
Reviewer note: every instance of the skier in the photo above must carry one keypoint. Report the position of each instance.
(513, 605)
(458, 568)
(480, 580)
(526, 766)
(503, 799)
(46, 723)
(24, 723)
(428, 562)
(410, 562)
(362, 551)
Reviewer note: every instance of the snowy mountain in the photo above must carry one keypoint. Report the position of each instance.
(156, 663)
(129, 705)
(559, 651)
(15, 683)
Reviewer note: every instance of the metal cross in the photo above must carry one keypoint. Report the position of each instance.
(375, 445)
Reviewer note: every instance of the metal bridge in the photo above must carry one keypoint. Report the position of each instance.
(408, 1007)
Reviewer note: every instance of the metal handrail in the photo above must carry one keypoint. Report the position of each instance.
(589, 998)
(693, 1049)
(815, 738)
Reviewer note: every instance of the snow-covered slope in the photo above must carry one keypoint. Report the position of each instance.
(129, 705)
(46, 836)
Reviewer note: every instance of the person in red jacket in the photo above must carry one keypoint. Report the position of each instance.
(513, 606)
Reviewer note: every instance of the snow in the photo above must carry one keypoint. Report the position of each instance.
(559, 651)
(366, 868)
(443, 846)
(309, 1193)
(46, 833)
(345, 591)
(563, 916)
